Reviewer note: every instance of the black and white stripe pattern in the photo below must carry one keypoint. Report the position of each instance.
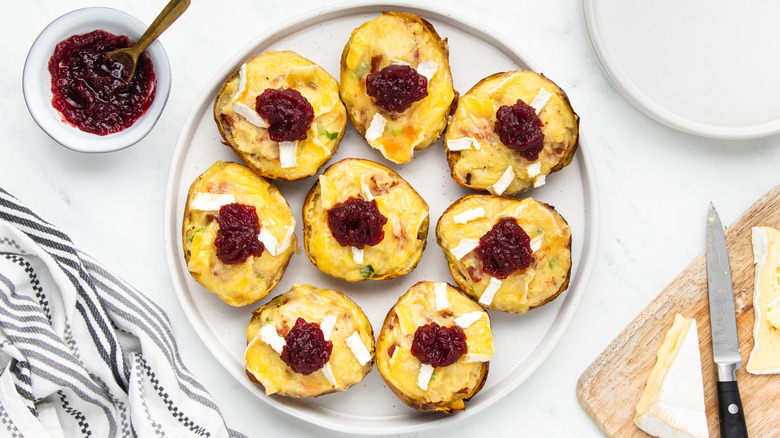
(82, 351)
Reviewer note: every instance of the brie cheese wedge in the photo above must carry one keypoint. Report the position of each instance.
(672, 404)
(765, 356)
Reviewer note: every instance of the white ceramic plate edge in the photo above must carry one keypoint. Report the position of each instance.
(344, 423)
(626, 87)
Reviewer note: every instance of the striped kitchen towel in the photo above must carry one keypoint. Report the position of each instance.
(83, 353)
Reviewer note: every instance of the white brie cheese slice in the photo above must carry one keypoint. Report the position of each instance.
(536, 243)
(501, 185)
(269, 336)
(358, 348)
(440, 294)
(465, 320)
(427, 68)
(490, 291)
(286, 240)
(328, 372)
(241, 83)
(376, 128)
(210, 201)
(326, 325)
(765, 356)
(540, 100)
(464, 247)
(672, 404)
(288, 151)
(534, 169)
(476, 357)
(469, 215)
(463, 143)
(424, 378)
(249, 114)
(539, 181)
(357, 255)
(269, 241)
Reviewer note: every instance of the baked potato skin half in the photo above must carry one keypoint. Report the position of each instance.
(405, 233)
(401, 38)
(265, 366)
(452, 385)
(281, 69)
(475, 117)
(243, 283)
(550, 269)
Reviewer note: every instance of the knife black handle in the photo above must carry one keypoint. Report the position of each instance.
(732, 419)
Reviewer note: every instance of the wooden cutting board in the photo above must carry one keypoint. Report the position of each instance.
(610, 387)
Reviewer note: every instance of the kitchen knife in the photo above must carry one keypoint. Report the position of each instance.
(723, 323)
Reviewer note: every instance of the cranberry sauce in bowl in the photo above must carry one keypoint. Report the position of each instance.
(91, 94)
(77, 102)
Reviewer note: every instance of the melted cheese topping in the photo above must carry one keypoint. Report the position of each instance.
(395, 37)
(475, 117)
(313, 305)
(405, 210)
(242, 283)
(247, 130)
(521, 290)
(451, 384)
(765, 356)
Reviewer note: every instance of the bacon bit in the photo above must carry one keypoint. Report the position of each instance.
(380, 183)
(227, 120)
(375, 61)
(447, 314)
(391, 350)
(398, 233)
(475, 272)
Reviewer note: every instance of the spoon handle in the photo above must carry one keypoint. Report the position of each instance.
(168, 15)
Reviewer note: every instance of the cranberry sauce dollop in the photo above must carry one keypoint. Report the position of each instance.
(520, 129)
(92, 95)
(288, 113)
(237, 236)
(356, 222)
(504, 249)
(439, 346)
(306, 350)
(396, 87)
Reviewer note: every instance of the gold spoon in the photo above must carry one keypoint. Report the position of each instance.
(128, 58)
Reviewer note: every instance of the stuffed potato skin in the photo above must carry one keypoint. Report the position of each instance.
(243, 283)
(450, 386)
(405, 232)
(265, 366)
(474, 119)
(281, 70)
(400, 38)
(550, 269)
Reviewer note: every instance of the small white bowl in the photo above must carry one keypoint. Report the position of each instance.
(36, 80)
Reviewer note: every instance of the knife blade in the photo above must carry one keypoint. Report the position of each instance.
(723, 323)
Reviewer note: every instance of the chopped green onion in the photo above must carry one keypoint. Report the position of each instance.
(367, 271)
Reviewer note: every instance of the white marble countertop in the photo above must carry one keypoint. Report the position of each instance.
(654, 185)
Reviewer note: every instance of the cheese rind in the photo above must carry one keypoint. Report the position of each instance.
(765, 356)
(672, 404)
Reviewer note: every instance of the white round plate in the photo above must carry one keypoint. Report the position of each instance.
(709, 68)
(522, 342)
(36, 79)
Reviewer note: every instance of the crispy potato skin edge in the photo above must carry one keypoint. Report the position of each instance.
(463, 283)
(308, 209)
